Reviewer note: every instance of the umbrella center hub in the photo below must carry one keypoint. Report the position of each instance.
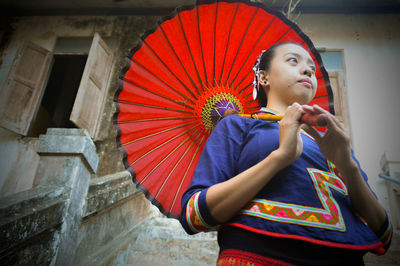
(215, 106)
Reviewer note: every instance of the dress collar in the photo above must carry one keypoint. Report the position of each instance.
(267, 110)
(270, 111)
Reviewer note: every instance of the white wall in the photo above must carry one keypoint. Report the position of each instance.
(371, 46)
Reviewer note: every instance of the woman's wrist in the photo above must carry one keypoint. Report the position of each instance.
(280, 158)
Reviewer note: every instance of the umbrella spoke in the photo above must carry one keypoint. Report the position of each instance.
(241, 43)
(180, 61)
(215, 40)
(159, 94)
(190, 52)
(163, 144)
(163, 81)
(170, 70)
(227, 43)
(155, 134)
(157, 119)
(178, 191)
(157, 107)
(165, 158)
(177, 163)
(252, 50)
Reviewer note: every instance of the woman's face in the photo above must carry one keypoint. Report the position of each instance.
(291, 75)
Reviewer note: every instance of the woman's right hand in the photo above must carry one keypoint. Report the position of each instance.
(290, 142)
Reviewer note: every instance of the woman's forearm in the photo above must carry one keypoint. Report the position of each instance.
(361, 196)
(225, 199)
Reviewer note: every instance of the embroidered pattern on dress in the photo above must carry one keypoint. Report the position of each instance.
(234, 257)
(327, 217)
(193, 215)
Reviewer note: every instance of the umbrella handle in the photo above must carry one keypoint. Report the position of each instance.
(308, 118)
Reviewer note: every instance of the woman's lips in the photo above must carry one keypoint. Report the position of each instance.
(306, 82)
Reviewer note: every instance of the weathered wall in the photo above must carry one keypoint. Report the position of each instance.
(18, 162)
(370, 45)
(44, 31)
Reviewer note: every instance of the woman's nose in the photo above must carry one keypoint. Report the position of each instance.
(307, 71)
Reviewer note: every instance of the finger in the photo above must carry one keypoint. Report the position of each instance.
(332, 123)
(294, 111)
(318, 109)
(312, 131)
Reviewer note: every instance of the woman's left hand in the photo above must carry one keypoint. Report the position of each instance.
(335, 143)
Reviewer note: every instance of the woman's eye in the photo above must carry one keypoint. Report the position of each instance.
(292, 59)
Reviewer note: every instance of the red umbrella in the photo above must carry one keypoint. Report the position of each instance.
(180, 78)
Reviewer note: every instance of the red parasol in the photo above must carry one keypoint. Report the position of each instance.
(181, 77)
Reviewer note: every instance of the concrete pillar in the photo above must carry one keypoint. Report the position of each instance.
(68, 159)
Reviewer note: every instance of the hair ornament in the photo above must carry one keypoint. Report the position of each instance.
(256, 81)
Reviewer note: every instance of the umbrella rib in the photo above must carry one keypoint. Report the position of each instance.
(163, 81)
(241, 42)
(180, 61)
(155, 119)
(155, 134)
(186, 172)
(157, 107)
(190, 52)
(159, 58)
(215, 40)
(251, 69)
(321, 96)
(227, 43)
(237, 86)
(240, 92)
(255, 45)
(159, 94)
(176, 165)
(165, 158)
(164, 143)
(201, 45)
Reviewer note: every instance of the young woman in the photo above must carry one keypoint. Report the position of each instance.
(279, 194)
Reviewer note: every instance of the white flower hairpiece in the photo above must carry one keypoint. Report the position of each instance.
(256, 69)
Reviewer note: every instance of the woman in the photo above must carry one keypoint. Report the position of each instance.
(277, 194)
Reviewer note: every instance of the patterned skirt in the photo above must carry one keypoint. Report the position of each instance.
(234, 257)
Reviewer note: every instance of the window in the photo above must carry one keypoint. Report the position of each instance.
(76, 89)
(333, 62)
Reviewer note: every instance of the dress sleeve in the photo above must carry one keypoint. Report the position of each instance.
(386, 231)
(217, 164)
(385, 236)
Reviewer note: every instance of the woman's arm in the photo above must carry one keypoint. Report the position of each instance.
(225, 199)
(335, 145)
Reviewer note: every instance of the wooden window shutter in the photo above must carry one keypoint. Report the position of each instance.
(92, 93)
(24, 87)
(336, 78)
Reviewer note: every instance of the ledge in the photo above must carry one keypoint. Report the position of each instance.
(69, 141)
(28, 213)
(107, 190)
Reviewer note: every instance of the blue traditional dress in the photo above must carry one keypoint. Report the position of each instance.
(306, 202)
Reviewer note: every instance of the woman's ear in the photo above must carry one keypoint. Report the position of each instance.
(263, 77)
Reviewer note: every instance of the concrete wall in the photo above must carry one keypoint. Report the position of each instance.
(44, 31)
(371, 56)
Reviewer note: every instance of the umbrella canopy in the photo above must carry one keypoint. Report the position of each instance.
(181, 77)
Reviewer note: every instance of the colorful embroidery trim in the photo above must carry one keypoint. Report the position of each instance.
(327, 217)
(193, 215)
(233, 257)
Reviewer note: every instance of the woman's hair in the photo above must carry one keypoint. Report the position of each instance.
(265, 64)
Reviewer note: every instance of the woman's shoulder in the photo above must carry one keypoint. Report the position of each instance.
(233, 122)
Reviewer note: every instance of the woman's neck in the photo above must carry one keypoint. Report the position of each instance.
(280, 108)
